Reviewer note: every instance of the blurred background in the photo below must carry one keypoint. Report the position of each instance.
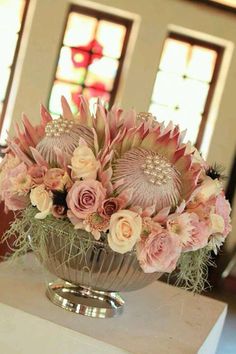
(173, 58)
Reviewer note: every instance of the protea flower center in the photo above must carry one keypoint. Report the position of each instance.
(63, 134)
(58, 127)
(153, 179)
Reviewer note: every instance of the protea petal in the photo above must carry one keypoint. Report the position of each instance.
(99, 123)
(129, 119)
(105, 178)
(30, 130)
(85, 115)
(38, 157)
(19, 153)
(63, 160)
(67, 114)
(45, 115)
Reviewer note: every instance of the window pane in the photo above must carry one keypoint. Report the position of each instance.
(193, 95)
(71, 93)
(80, 30)
(11, 12)
(7, 51)
(202, 63)
(183, 81)
(111, 37)
(162, 113)
(89, 57)
(167, 89)
(102, 73)
(174, 56)
(72, 65)
(4, 77)
(184, 118)
(187, 120)
(231, 3)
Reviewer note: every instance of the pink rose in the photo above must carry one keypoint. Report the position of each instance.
(223, 209)
(8, 163)
(15, 188)
(159, 252)
(85, 197)
(37, 173)
(56, 179)
(14, 201)
(109, 207)
(59, 211)
(202, 209)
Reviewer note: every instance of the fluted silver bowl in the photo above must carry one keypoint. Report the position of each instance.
(91, 266)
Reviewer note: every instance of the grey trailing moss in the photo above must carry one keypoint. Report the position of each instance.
(31, 233)
(192, 270)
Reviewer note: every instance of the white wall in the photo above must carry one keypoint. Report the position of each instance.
(42, 39)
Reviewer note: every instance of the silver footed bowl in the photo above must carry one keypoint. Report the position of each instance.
(90, 274)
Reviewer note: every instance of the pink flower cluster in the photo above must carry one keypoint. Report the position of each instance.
(86, 188)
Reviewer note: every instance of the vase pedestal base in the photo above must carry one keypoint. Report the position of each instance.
(85, 301)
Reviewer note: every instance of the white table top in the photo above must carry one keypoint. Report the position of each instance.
(158, 319)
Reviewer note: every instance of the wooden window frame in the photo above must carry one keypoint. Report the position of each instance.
(212, 84)
(99, 15)
(13, 66)
(216, 5)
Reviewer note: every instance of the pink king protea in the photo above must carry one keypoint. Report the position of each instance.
(153, 162)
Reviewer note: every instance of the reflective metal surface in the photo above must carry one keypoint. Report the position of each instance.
(92, 266)
(85, 301)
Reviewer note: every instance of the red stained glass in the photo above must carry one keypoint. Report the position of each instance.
(89, 58)
(91, 92)
(72, 65)
(97, 48)
(75, 97)
(79, 58)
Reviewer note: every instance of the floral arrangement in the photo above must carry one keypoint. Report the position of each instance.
(123, 177)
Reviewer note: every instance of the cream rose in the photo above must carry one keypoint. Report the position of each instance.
(84, 164)
(209, 188)
(40, 198)
(217, 224)
(125, 230)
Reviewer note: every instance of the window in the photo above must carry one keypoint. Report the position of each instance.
(12, 17)
(185, 83)
(230, 3)
(90, 58)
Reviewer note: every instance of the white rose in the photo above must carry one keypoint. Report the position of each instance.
(84, 164)
(40, 198)
(124, 231)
